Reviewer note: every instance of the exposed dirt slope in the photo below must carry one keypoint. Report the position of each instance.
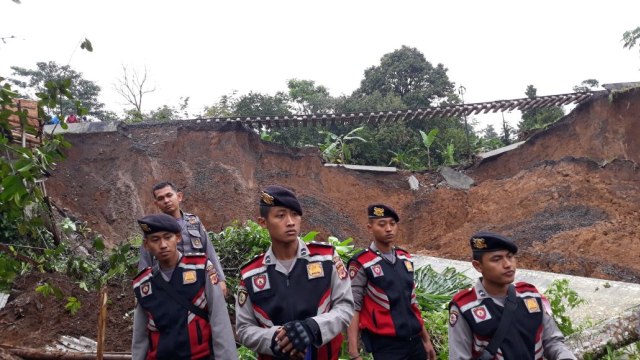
(569, 195)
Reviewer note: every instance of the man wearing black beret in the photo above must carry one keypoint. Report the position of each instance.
(496, 319)
(180, 313)
(294, 300)
(387, 315)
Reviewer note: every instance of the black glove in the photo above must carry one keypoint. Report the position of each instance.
(277, 352)
(298, 335)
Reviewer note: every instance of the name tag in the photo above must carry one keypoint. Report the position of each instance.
(189, 277)
(315, 270)
(532, 305)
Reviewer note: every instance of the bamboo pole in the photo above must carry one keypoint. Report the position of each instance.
(102, 322)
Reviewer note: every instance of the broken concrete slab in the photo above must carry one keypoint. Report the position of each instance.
(456, 179)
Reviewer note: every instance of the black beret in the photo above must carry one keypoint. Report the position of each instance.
(485, 241)
(278, 196)
(379, 211)
(159, 222)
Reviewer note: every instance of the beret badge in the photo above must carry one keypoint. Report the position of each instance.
(266, 198)
(145, 227)
(378, 211)
(479, 243)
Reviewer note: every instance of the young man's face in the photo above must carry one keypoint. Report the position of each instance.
(497, 267)
(167, 200)
(282, 223)
(163, 245)
(383, 230)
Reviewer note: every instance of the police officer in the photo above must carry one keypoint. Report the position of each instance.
(194, 236)
(295, 299)
(180, 314)
(475, 314)
(387, 314)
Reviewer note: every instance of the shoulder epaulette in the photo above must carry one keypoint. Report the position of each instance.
(464, 296)
(322, 248)
(252, 262)
(525, 287)
(319, 243)
(142, 276)
(147, 269)
(359, 253)
(403, 251)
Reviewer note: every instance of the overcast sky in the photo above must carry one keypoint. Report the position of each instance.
(205, 49)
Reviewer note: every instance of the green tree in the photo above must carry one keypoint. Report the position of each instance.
(82, 93)
(538, 118)
(308, 98)
(258, 104)
(489, 132)
(507, 131)
(630, 38)
(224, 107)
(406, 73)
(587, 85)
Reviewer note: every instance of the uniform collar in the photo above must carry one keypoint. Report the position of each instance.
(270, 258)
(375, 249)
(156, 266)
(482, 293)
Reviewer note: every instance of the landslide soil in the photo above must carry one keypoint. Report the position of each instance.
(569, 197)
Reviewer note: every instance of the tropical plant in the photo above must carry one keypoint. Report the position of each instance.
(336, 148)
(405, 159)
(427, 141)
(434, 291)
(344, 248)
(449, 154)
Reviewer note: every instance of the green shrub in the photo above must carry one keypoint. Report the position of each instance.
(562, 298)
(237, 244)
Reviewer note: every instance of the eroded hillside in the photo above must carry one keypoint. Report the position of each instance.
(569, 196)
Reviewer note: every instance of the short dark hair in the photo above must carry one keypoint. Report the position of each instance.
(477, 256)
(162, 185)
(264, 211)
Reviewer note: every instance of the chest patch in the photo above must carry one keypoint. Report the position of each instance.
(532, 305)
(189, 277)
(315, 270)
(196, 243)
(480, 313)
(377, 270)
(145, 289)
(408, 265)
(260, 283)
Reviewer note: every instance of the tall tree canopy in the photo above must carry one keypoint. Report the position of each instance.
(538, 118)
(32, 81)
(406, 73)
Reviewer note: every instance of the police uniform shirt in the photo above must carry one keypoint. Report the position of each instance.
(461, 337)
(359, 281)
(186, 246)
(224, 346)
(331, 323)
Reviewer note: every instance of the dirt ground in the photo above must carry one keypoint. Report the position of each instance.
(569, 197)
